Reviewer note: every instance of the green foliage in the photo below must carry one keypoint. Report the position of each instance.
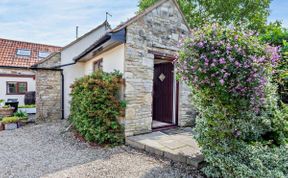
(276, 35)
(255, 161)
(28, 106)
(21, 115)
(252, 14)
(96, 106)
(6, 107)
(144, 4)
(242, 129)
(7, 120)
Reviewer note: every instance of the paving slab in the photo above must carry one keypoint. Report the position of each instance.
(176, 144)
(172, 144)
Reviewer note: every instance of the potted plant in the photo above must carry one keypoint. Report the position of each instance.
(29, 109)
(23, 118)
(1, 103)
(10, 123)
(1, 125)
(5, 111)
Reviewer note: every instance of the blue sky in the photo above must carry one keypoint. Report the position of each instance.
(279, 11)
(53, 21)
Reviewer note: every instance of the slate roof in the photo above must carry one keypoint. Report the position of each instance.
(9, 57)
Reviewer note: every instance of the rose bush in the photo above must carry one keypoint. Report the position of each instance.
(229, 72)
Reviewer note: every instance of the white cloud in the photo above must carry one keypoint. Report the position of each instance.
(54, 21)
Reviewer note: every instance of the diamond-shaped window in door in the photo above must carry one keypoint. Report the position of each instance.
(162, 77)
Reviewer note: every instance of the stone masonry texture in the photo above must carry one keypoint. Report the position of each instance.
(159, 30)
(48, 91)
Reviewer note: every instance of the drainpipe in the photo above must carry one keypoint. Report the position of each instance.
(62, 91)
(62, 95)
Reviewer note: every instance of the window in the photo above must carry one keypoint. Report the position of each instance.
(43, 54)
(23, 52)
(97, 65)
(16, 88)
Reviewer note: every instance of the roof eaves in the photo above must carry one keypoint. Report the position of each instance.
(14, 67)
(103, 39)
(110, 36)
(105, 23)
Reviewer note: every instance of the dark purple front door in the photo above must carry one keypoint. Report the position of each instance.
(163, 92)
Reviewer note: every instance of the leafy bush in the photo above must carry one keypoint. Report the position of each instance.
(96, 106)
(28, 106)
(21, 115)
(241, 127)
(7, 120)
(276, 35)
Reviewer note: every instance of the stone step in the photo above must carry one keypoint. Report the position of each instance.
(177, 147)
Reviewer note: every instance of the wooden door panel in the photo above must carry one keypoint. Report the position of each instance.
(163, 92)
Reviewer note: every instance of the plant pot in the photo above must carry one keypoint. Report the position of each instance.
(6, 112)
(1, 127)
(28, 110)
(22, 123)
(11, 126)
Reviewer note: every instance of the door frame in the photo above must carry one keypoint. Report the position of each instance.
(170, 58)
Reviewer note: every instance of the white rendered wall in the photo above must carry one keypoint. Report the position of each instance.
(3, 80)
(77, 70)
(112, 60)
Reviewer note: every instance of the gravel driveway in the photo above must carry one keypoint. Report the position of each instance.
(45, 151)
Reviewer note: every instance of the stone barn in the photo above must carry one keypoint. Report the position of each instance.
(143, 49)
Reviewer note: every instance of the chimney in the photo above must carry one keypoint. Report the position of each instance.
(77, 29)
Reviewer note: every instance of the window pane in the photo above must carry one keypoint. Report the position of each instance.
(23, 52)
(43, 54)
(22, 87)
(11, 87)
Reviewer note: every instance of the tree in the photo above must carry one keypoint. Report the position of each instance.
(250, 13)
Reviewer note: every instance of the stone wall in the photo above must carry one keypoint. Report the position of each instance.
(48, 91)
(186, 113)
(51, 61)
(160, 31)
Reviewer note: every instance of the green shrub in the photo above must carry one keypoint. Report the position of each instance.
(21, 115)
(95, 107)
(249, 161)
(6, 107)
(276, 35)
(7, 120)
(28, 106)
(242, 129)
